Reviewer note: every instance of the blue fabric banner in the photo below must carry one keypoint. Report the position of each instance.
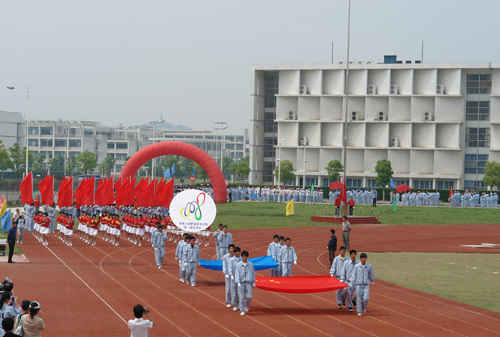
(259, 263)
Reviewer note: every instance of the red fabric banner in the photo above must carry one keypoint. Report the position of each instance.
(139, 191)
(46, 188)
(88, 192)
(403, 188)
(108, 197)
(343, 192)
(26, 189)
(98, 192)
(168, 194)
(126, 193)
(147, 199)
(336, 185)
(451, 193)
(65, 194)
(299, 284)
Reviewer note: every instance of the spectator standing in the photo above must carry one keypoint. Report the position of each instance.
(21, 225)
(8, 326)
(33, 323)
(139, 326)
(346, 232)
(11, 240)
(331, 246)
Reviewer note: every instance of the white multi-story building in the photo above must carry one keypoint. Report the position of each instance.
(438, 124)
(12, 128)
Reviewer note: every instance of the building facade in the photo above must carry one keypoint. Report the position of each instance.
(12, 128)
(438, 124)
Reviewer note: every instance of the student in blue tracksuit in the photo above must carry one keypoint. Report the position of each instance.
(232, 272)
(216, 237)
(225, 239)
(191, 259)
(272, 251)
(158, 243)
(179, 252)
(227, 277)
(360, 279)
(245, 279)
(348, 271)
(337, 270)
(287, 257)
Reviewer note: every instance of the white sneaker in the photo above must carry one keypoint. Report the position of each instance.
(359, 314)
(246, 309)
(192, 285)
(235, 308)
(181, 280)
(228, 305)
(159, 267)
(242, 313)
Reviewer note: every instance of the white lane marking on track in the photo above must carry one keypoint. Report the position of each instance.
(119, 283)
(175, 277)
(90, 288)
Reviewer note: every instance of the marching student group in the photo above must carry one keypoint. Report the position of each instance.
(155, 226)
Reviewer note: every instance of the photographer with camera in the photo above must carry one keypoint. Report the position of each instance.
(139, 326)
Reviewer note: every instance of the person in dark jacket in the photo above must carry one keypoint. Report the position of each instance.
(332, 247)
(11, 239)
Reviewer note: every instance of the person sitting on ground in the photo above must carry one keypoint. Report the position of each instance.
(139, 326)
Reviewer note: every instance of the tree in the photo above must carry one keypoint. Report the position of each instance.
(17, 159)
(106, 166)
(87, 162)
(287, 169)
(200, 172)
(246, 159)
(231, 168)
(225, 166)
(334, 168)
(37, 166)
(5, 162)
(57, 166)
(72, 166)
(242, 170)
(384, 174)
(492, 174)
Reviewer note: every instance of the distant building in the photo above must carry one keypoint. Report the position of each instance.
(12, 128)
(70, 138)
(438, 124)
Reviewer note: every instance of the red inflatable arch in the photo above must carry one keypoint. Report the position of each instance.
(184, 150)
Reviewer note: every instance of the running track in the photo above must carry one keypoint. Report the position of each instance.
(90, 291)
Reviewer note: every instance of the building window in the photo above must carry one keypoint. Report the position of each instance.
(477, 137)
(46, 130)
(479, 83)
(372, 183)
(422, 184)
(268, 172)
(72, 131)
(311, 181)
(33, 130)
(121, 156)
(269, 122)
(353, 183)
(73, 153)
(60, 142)
(271, 87)
(120, 145)
(472, 184)
(32, 142)
(75, 143)
(46, 142)
(474, 164)
(60, 154)
(445, 185)
(111, 145)
(477, 110)
(88, 132)
(402, 182)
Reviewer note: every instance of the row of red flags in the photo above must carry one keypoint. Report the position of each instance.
(145, 193)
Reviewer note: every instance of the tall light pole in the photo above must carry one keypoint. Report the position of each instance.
(222, 127)
(346, 83)
(279, 159)
(153, 164)
(304, 143)
(27, 93)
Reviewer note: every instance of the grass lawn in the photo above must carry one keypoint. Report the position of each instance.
(467, 278)
(268, 214)
(17, 250)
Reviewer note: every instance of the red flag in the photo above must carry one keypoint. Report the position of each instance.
(126, 192)
(46, 188)
(148, 195)
(98, 192)
(159, 192)
(139, 191)
(402, 188)
(65, 194)
(26, 189)
(343, 192)
(88, 192)
(118, 184)
(336, 185)
(167, 194)
(451, 193)
(108, 197)
(299, 284)
(79, 193)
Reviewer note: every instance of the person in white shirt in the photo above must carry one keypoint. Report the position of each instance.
(139, 326)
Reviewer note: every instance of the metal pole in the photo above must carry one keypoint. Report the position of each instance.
(304, 173)
(346, 83)
(27, 128)
(279, 159)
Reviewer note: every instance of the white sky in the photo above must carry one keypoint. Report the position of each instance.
(128, 60)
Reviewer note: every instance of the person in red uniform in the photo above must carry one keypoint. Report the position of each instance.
(351, 205)
(93, 230)
(337, 205)
(44, 229)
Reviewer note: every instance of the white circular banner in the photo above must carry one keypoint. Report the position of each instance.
(193, 210)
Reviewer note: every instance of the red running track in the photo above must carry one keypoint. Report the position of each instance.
(89, 291)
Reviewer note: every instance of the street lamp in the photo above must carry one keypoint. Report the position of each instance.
(26, 92)
(153, 170)
(304, 143)
(221, 127)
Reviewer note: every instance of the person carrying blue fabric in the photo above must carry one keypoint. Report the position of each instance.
(287, 257)
(346, 276)
(272, 251)
(245, 279)
(360, 279)
(225, 239)
(232, 272)
(227, 277)
(158, 242)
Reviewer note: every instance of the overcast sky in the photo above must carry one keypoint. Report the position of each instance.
(128, 61)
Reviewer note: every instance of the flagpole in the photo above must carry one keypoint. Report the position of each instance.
(346, 91)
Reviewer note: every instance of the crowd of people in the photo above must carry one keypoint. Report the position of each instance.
(275, 194)
(18, 318)
(474, 199)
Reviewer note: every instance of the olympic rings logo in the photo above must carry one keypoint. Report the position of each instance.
(194, 208)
